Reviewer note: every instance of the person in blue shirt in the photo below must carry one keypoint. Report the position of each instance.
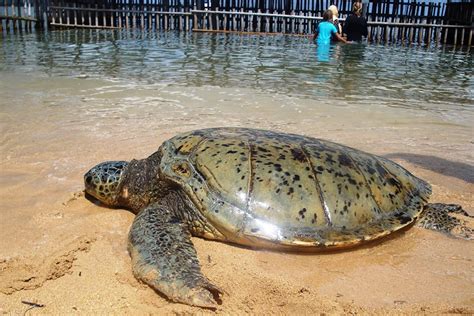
(326, 30)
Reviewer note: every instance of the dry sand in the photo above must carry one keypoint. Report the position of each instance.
(62, 251)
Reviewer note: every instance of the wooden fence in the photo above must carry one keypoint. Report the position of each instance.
(389, 20)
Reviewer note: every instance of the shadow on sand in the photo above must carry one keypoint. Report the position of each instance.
(455, 169)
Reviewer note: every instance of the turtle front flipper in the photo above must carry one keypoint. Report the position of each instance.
(437, 216)
(164, 257)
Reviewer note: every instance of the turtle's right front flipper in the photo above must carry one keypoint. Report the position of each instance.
(164, 257)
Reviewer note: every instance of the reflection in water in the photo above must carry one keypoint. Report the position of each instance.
(352, 57)
(393, 75)
(323, 52)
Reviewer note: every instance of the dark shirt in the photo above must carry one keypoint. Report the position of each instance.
(355, 27)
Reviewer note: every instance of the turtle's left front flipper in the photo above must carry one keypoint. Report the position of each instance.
(164, 257)
(438, 216)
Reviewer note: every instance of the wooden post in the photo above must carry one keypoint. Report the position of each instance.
(195, 20)
(90, 14)
(127, 18)
(82, 15)
(469, 41)
(96, 15)
(455, 36)
(134, 17)
(104, 17)
(438, 34)
(112, 16)
(225, 22)
(38, 14)
(119, 16)
(242, 25)
(276, 23)
(19, 14)
(259, 22)
(234, 24)
(267, 23)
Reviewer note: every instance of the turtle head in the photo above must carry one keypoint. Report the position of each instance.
(103, 181)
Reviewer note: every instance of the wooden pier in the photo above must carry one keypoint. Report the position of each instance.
(390, 21)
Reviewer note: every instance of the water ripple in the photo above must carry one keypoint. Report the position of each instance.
(415, 77)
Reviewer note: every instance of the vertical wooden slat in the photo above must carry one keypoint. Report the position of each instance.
(234, 22)
(120, 15)
(75, 14)
(112, 15)
(429, 29)
(438, 35)
(469, 41)
(267, 23)
(89, 12)
(60, 15)
(455, 36)
(225, 23)
(96, 15)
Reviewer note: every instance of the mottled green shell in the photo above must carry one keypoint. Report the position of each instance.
(266, 188)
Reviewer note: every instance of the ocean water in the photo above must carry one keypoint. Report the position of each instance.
(426, 78)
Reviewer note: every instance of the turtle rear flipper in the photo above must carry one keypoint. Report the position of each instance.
(437, 216)
(164, 257)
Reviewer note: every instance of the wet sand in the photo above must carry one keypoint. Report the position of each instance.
(64, 252)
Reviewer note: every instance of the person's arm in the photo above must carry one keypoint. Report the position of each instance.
(340, 38)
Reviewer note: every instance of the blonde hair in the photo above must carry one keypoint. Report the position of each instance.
(334, 11)
(357, 7)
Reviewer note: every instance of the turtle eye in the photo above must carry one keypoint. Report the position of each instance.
(88, 180)
(182, 169)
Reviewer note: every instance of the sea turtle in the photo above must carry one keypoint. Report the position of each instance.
(261, 189)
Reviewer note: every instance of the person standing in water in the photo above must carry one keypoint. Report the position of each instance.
(355, 26)
(335, 19)
(326, 30)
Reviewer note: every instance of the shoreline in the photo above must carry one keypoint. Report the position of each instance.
(61, 250)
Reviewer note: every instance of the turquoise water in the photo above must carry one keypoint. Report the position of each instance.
(427, 78)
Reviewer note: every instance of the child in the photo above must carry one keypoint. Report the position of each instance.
(335, 19)
(326, 30)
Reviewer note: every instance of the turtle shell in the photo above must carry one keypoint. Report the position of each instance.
(264, 188)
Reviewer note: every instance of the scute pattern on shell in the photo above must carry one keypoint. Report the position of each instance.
(267, 188)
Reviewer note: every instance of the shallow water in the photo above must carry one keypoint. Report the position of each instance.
(70, 99)
(414, 77)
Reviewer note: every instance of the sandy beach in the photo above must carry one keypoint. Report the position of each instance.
(60, 250)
